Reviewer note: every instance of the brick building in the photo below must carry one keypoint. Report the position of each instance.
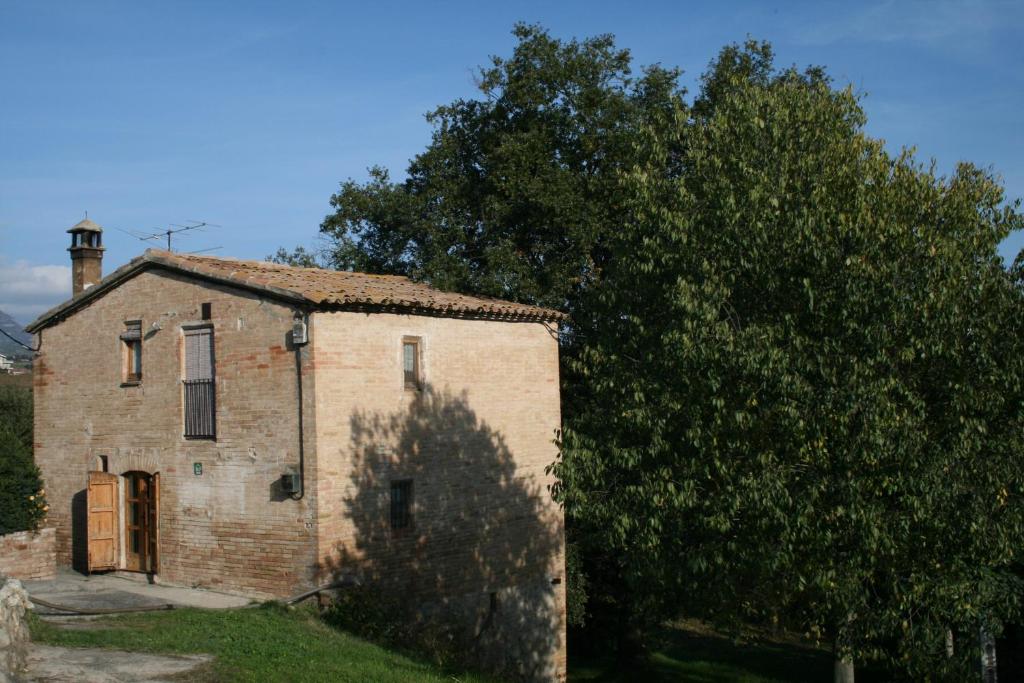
(261, 429)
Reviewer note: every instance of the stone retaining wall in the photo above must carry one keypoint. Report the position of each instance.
(14, 635)
(29, 555)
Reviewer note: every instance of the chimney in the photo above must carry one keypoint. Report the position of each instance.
(86, 256)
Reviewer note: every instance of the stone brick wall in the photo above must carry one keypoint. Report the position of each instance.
(230, 528)
(14, 634)
(29, 555)
(486, 545)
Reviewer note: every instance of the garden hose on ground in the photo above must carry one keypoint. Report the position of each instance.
(347, 582)
(96, 611)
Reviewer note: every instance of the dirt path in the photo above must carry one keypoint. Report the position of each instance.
(48, 664)
(90, 665)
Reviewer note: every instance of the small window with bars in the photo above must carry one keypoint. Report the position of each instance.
(411, 363)
(199, 385)
(401, 504)
(132, 340)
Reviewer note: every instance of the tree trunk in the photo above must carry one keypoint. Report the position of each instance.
(843, 670)
(630, 645)
(989, 671)
(949, 643)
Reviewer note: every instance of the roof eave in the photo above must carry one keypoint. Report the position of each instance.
(277, 292)
(137, 265)
(156, 259)
(542, 316)
(86, 295)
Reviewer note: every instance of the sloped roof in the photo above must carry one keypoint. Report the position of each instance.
(316, 287)
(85, 225)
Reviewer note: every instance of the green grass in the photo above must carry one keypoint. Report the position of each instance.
(687, 653)
(272, 643)
(268, 643)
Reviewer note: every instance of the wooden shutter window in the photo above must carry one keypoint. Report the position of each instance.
(132, 338)
(199, 385)
(199, 353)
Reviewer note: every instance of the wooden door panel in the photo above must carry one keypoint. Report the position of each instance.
(141, 523)
(154, 524)
(103, 530)
(136, 526)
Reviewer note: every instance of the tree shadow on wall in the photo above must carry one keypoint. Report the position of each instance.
(482, 554)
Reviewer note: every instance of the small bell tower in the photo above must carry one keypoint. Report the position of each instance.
(86, 255)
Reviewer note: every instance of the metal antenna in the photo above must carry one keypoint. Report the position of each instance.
(172, 229)
(137, 234)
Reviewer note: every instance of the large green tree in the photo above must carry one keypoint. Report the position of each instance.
(517, 193)
(809, 360)
(793, 377)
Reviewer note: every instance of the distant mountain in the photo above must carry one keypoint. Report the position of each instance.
(8, 347)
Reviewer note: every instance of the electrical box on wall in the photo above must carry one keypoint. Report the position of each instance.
(299, 333)
(290, 483)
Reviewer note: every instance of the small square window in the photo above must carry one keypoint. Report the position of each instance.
(132, 341)
(401, 504)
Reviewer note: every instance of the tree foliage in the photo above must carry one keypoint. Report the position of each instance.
(516, 194)
(22, 504)
(809, 361)
(793, 359)
(299, 257)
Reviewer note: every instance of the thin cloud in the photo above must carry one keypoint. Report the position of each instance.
(936, 21)
(27, 290)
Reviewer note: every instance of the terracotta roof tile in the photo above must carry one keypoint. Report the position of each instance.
(316, 286)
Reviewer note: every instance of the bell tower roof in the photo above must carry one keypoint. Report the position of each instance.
(85, 225)
(86, 255)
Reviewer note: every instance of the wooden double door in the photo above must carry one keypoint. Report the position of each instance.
(123, 521)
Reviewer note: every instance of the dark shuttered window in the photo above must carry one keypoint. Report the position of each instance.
(401, 504)
(199, 384)
(411, 363)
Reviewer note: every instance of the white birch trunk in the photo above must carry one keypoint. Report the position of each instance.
(988, 656)
(843, 670)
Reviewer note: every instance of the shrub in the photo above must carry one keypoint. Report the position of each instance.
(576, 585)
(16, 412)
(22, 500)
(382, 618)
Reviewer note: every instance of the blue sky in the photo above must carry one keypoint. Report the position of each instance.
(248, 115)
